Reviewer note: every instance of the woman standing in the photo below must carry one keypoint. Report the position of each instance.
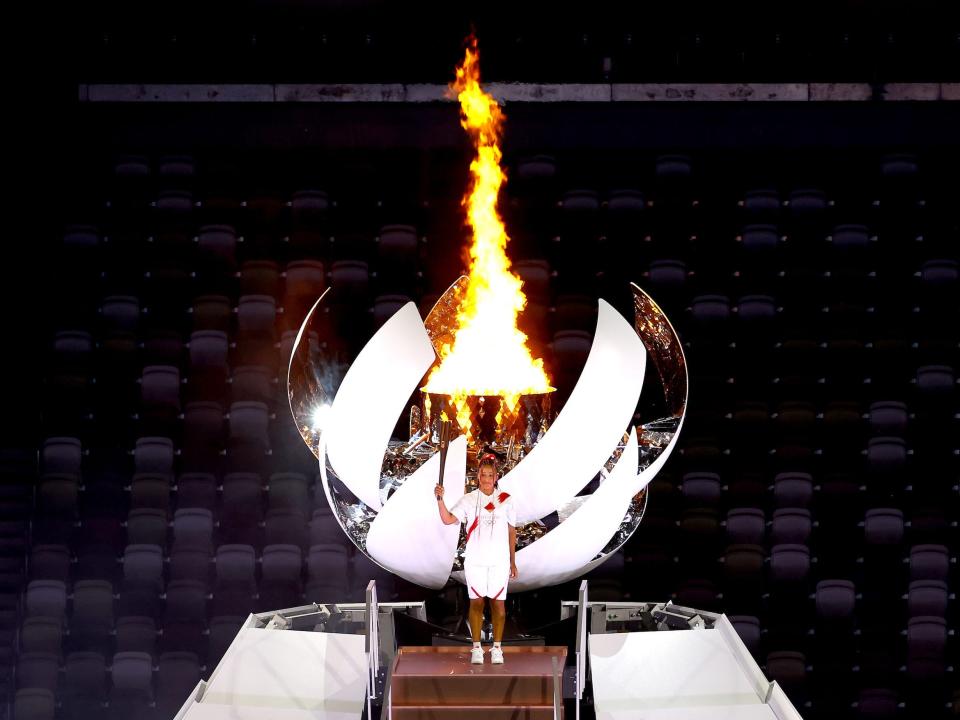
(490, 560)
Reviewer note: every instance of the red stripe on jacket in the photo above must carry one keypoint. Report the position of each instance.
(472, 527)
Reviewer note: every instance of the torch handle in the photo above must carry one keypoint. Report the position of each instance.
(444, 444)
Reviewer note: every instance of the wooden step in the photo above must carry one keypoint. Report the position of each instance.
(429, 679)
(468, 712)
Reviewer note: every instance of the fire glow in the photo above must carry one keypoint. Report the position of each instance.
(489, 354)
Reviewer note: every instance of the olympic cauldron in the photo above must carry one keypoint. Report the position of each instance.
(578, 474)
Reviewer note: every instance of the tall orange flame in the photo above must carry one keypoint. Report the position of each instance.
(489, 355)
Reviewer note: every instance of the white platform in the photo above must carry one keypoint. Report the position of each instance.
(729, 712)
(685, 674)
(288, 676)
(203, 711)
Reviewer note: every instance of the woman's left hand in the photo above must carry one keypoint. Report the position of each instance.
(513, 571)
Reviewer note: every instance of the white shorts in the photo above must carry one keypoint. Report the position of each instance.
(487, 581)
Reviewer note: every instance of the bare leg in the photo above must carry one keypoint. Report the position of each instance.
(476, 617)
(499, 612)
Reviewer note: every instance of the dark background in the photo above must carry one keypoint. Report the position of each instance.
(806, 252)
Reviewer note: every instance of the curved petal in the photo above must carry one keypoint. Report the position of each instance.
(666, 352)
(371, 398)
(534, 574)
(578, 539)
(586, 431)
(407, 536)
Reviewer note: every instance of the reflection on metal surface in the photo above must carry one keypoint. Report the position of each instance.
(441, 321)
(664, 347)
(305, 375)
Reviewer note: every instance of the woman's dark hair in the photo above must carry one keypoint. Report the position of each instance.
(490, 460)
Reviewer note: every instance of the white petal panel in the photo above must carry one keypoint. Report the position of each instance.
(556, 557)
(572, 544)
(407, 537)
(586, 431)
(371, 397)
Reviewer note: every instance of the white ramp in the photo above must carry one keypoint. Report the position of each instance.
(202, 711)
(681, 674)
(286, 675)
(730, 712)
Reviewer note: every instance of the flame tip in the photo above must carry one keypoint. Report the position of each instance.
(489, 354)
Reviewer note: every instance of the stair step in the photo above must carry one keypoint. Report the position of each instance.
(443, 677)
(473, 712)
(489, 691)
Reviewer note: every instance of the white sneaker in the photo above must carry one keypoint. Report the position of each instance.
(476, 656)
(496, 656)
